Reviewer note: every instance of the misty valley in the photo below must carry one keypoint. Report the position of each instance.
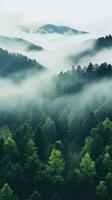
(55, 114)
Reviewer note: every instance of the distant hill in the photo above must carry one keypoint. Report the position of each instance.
(15, 43)
(97, 45)
(51, 29)
(103, 42)
(17, 65)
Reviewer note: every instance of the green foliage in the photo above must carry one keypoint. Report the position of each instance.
(101, 190)
(106, 163)
(62, 148)
(5, 133)
(6, 193)
(87, 166)
(55, 163)
(35, 196)
(10, 149)
(31, 150)
(10, 64)
(49, 130)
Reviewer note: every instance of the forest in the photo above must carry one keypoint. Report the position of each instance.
(92, 48)
(16, 66)
(60, 148)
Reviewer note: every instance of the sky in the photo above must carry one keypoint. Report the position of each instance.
(86, 14)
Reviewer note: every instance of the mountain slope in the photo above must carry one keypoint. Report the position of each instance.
(15, 43)
(52, 29)
(95, 46)
(17, 65)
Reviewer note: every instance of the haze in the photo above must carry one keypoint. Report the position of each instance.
(70, 12)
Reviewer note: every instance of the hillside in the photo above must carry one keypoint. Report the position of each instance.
(60, 147)
(16, 64)
(52, 29)
(15, 43)
(97, 46)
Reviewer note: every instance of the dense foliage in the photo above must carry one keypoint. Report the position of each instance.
(12, 64)
(60, 149)
(104, 42)
(92, 48)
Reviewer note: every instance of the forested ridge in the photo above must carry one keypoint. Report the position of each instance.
(52, 29)
(61, 148)
(16, 65)
(19, 42)
(92, 48)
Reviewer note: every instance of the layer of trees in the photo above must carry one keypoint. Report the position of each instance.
(75, 80)
(92, 48)
(11, 63)
(58, 152)
(8, 42)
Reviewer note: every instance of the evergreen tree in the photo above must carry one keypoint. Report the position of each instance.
(6, 193)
